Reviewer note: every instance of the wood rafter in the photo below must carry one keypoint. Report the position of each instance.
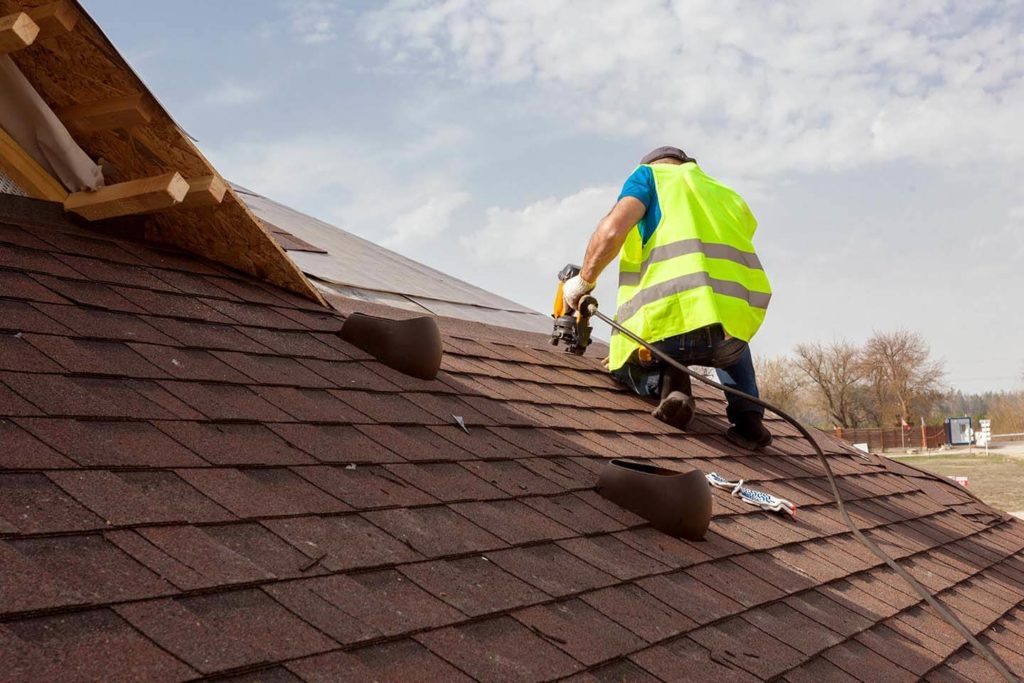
(27, 173)
(146, 195)
(17, 31)
(205, 191)
(55, 18)
(117, 112)
(76, 64)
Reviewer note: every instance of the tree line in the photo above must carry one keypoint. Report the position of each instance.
(1004, 408)
(889, 380)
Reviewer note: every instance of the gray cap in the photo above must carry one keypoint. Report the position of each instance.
(665, 153)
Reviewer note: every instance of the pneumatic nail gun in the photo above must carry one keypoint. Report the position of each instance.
(572, 328)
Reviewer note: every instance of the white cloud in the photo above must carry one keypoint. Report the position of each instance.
(426, 221)
(346, 181)
(231, 94)
(526, 247)
(535, 232)
(312, 21)
(766, 86)
(1009, 240)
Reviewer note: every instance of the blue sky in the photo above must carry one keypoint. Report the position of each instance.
(878, 143)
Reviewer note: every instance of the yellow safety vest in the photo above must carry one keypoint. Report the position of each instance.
(697, 269)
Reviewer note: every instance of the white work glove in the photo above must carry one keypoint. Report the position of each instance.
(574, 289)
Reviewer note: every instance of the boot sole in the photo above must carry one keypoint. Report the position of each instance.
(749, 444)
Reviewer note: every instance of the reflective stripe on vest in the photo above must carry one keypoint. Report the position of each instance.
(697, 269)
(693, 246)
(691, 281)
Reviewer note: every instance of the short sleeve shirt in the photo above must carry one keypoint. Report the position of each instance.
(640, 184)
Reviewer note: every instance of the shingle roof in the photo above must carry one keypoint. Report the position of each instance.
(199, 478)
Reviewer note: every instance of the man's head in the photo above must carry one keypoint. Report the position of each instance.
(666, 155)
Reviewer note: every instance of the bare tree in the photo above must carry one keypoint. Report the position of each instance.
(780, 382)
(874, 395)
(835, 370)
(905, 380)
(1007, 413)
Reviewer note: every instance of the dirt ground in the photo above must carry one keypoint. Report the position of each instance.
(996, 478)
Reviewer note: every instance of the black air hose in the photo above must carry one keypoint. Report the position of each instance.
(588, 307)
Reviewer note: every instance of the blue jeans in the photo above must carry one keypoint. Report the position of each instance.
(707, 347)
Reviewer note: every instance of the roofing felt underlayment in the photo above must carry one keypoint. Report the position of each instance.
(200, 478)
(342, 264)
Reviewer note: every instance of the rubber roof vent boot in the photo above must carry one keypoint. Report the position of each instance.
(676, 503)
(410, 346)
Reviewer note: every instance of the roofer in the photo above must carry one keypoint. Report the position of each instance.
(689, 282)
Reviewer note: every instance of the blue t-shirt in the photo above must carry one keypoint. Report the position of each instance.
(640, 184)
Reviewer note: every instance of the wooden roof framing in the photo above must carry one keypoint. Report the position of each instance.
(17, 31)
(113, 116)
(27, 173)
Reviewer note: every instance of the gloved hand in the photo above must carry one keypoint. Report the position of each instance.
(574, 289)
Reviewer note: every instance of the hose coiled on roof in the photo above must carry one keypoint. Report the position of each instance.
(588, 306)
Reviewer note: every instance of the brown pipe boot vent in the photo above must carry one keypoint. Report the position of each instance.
(410, 346)
(676, 503)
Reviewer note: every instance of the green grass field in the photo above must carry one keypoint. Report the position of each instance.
(996, 479)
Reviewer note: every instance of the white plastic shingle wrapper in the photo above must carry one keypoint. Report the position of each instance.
(8, 186)
(32, 124)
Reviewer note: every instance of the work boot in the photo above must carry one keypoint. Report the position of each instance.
(675, 410)
(677, 406)
(749, 431)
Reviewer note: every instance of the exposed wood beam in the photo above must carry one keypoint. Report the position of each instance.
(205, 191)
(129, 198)
(17, 31)
(117, 112)
(55, 18)
(27, 173)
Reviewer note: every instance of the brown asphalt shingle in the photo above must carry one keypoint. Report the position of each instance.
(198, 478)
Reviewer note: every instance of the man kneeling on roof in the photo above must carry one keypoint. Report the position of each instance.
(689, 283)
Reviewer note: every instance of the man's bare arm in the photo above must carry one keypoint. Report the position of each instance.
(604, 244)
(609, 236)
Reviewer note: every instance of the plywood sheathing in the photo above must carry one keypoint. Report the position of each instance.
(82, 66)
